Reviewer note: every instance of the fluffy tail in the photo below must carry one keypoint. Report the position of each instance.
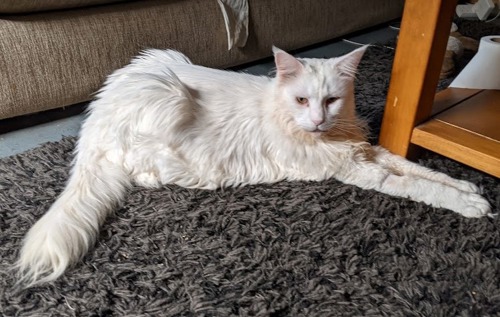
(66, 232)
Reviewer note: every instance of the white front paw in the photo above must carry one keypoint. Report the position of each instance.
(474, 206)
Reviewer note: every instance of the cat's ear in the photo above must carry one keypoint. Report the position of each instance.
(348, 64)
(287, 66)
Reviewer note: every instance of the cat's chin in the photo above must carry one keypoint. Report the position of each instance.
(316, 132)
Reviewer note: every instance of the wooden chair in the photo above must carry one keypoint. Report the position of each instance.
(462, 124)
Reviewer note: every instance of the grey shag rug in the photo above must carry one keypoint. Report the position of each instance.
(285, 249)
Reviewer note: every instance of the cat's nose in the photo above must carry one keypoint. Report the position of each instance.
(318, 121)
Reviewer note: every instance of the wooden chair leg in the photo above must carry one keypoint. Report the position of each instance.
(423, 36)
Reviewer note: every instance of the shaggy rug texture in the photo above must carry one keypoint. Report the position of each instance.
(285, 249)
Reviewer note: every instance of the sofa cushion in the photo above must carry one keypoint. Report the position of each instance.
(27, 6)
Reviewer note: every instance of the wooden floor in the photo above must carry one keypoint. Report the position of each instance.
(466, 127)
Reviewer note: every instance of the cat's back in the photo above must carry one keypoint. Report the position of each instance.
(162, 89)
(168, 62)
(215, 90)
(168, 68)
(197, 75)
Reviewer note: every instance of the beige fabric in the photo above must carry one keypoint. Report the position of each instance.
(27, 6)
(55, 59)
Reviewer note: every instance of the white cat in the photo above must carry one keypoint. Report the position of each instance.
(162, 120)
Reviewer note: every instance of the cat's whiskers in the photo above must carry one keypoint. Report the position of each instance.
(345, 129)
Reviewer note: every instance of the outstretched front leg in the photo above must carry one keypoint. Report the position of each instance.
(400, 165)
(373, 175)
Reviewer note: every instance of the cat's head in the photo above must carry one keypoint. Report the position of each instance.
(319, 93)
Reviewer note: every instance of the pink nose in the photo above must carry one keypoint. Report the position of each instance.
(317, 121)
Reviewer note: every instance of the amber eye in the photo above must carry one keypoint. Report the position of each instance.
(331, 100)
(302, 100)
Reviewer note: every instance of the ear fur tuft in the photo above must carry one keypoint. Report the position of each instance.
(348, 64)
(276, 50)
(287, 66)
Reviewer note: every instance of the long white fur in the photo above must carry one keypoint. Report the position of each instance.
(162, 120)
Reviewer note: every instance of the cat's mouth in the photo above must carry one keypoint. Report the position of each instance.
(317, 131)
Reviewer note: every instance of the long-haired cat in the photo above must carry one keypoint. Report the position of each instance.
(162, 120)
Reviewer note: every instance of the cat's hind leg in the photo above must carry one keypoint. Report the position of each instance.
(156, 163)
(371, 175)
(402, 166)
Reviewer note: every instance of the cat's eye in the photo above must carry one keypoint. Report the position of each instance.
(302, 100)
(331, 100)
